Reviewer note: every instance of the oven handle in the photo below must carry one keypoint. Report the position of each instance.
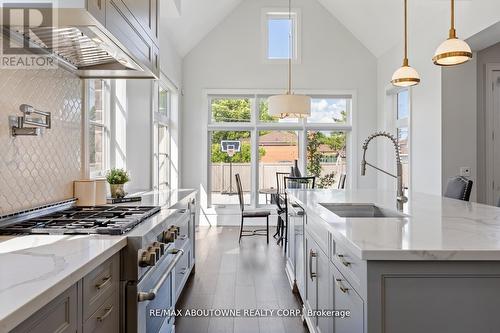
(150, 295)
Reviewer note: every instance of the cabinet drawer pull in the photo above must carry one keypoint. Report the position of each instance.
(338, 282)
(106, 314)
(312, 255)
(343, 261)
(104, 282)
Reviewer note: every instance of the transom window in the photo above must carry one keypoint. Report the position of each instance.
(281, 34)
(269, 144)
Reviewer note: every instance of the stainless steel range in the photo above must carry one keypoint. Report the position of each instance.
(156, 262)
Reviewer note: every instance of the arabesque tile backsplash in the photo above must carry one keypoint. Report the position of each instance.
(39, 170)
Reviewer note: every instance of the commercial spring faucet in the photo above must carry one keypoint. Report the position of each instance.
(401, 198)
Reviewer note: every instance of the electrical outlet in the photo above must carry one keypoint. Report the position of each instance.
(465, 172)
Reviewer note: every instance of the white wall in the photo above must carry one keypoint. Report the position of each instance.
(230, 57)
(426, 34)
(139, 134)
(170, 60)
(459, 134)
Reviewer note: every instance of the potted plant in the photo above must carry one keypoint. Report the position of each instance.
(116, 178)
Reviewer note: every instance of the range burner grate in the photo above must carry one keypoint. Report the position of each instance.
(113, 220)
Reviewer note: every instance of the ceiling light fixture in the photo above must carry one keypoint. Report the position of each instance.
(452, 51)
(405, 76)
(290, 105)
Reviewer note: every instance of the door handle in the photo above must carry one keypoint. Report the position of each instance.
(106, 314)
(104, 282)
(312, 254)
(150, 295)
(344, 262)
(339, 284)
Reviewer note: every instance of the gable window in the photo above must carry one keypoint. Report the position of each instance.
(281, 35)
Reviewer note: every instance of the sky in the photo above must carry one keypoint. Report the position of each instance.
(278, 47)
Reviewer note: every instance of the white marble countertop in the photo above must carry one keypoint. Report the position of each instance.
(37, 268)
(436, 228)
(167, 199)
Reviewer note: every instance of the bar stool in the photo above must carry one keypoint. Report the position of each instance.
(459, 188)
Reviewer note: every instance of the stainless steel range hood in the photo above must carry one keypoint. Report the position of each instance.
(81, 44)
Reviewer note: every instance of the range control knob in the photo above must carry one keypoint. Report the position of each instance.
(155, 250)
(148, 258)
(159, 248)
(168, 236)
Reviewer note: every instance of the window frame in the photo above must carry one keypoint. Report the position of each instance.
(394, 124)
(162, 120)
(302, 126)
(105, 125)
(281, 13)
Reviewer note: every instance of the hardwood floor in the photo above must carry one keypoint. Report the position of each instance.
(250, 275)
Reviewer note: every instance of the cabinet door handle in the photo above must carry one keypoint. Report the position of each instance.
(99, 4)
(106, 314)
(338, 282)
(312, 255)
(104, 282)
(343, 261)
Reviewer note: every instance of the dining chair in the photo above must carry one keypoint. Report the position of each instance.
(280, 202)
(459, 188)
(341, 185)
(251, 213)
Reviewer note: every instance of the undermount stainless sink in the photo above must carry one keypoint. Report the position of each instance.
(360, 210)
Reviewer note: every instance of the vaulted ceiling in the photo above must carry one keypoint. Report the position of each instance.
(376, 23)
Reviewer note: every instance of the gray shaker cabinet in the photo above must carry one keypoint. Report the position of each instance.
(60, 315)
(91, 305)
(318, 287)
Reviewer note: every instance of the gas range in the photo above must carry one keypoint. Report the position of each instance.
(109, 220)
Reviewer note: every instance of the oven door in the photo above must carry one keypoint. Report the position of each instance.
(150, 303)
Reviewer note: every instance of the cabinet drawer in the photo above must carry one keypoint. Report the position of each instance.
(319, 232)
(60, 315)
(353, 268)
(346, 298)
(100, 284)
(106, 319)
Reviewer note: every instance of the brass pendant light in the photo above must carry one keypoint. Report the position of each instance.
(405, 76)
(289, 105)
(452, 51)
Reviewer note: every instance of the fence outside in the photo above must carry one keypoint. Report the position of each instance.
(220, 177)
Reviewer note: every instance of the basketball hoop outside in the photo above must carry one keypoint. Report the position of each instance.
(230, 152)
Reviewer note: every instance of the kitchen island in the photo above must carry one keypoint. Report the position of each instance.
(435, 267)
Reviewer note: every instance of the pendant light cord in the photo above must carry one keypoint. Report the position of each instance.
(453, 14)
(453, 32)
(290, 48)
(405, 61)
